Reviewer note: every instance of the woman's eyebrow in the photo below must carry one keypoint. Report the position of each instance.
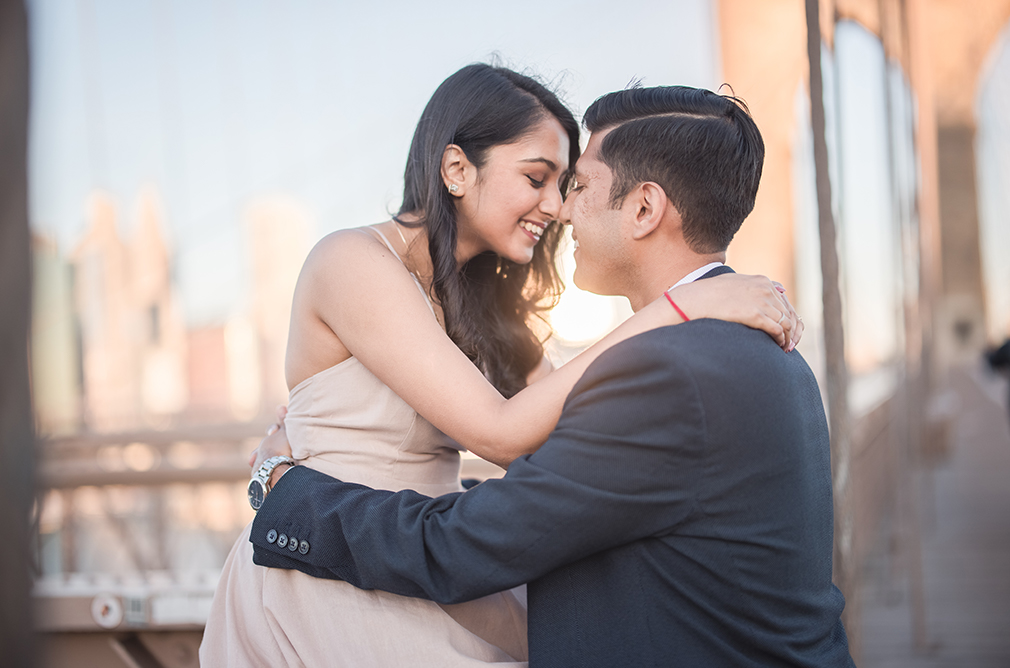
(550, 163)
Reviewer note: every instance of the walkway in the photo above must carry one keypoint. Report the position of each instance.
(965, 515)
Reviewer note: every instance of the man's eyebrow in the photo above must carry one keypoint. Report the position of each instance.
(550, 163)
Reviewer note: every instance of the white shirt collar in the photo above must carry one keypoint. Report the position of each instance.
(696, 274)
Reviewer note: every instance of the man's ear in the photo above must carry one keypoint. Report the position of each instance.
(458, 173)
(650, 205)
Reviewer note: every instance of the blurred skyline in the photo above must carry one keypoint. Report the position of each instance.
(215, 103)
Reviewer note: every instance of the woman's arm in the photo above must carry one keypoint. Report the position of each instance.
(360, 290)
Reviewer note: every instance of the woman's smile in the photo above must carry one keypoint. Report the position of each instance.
(534, 229)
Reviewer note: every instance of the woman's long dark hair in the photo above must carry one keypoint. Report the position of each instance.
(489, 302)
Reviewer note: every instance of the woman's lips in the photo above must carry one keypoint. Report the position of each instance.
(535, 230)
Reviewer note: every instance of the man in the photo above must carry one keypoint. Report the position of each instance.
(681, 512)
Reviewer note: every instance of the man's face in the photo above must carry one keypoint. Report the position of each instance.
(601, 256)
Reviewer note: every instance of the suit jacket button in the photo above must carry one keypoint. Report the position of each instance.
(293, 544)
(282, 540)
(303, 547)
(272, 536)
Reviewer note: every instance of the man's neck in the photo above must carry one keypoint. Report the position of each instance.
(657, 278)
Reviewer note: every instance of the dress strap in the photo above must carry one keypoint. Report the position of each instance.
(385, 241)
(420, 287)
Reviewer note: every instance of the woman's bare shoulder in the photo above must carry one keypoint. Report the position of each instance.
(347, 253)
(330, 280)
(345, 244)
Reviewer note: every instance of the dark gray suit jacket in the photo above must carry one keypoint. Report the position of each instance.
(679, 515)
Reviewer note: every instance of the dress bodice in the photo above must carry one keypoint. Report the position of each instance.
(347, 423)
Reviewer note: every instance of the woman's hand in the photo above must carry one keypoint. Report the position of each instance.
(754, 301)
(798, 326)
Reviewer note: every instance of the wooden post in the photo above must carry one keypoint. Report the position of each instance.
(834, 339)
(16, 428)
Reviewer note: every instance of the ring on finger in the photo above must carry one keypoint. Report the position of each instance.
(781, 318)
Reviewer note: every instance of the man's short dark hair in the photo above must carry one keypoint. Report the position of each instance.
(702, 148)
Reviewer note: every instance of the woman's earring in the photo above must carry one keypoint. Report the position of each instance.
(453, 188)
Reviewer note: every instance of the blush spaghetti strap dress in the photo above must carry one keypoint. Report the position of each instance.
(345, 422)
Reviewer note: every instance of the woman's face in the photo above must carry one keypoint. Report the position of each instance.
(506, 206)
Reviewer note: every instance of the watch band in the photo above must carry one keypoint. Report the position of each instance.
(271, 463)
(266, 469)
(259, 486)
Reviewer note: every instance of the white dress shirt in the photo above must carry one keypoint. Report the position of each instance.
(696, 274)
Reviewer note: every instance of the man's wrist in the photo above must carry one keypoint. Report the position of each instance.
(278, 471)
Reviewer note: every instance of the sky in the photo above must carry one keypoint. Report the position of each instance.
(219, 102)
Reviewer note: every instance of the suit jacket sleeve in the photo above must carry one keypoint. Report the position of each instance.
(614, 470)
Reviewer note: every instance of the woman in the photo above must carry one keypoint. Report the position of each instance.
(406, 339)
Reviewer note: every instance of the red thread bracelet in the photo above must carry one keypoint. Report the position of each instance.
(675, 307)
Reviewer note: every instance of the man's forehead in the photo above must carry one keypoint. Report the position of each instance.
(587, 167)
(589, 162)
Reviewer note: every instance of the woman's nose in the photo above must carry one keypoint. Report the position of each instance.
(551, 202)
(565, 214)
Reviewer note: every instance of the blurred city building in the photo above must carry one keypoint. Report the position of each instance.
(277, 230)
(132, 337)
(148, 412)
(55, 348)
(111, 349)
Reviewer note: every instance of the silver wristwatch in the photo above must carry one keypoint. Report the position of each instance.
(260, 483)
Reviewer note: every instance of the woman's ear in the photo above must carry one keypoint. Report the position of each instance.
(650, 206)
(457, 171)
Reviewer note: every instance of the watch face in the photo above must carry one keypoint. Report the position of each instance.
(256, 494)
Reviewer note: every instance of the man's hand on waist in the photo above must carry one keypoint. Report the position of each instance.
(275, 443)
